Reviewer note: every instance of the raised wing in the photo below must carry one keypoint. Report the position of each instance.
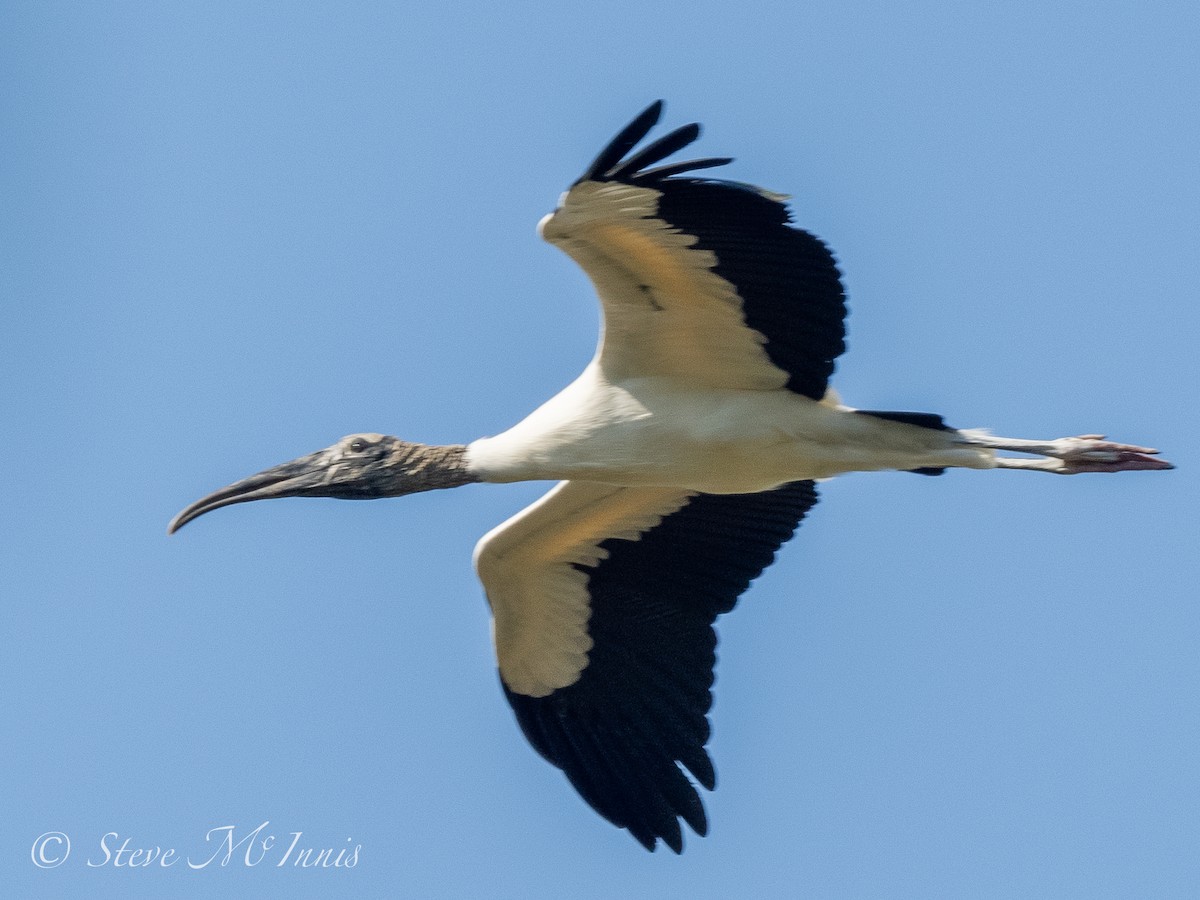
(699, 278)
(603, 600)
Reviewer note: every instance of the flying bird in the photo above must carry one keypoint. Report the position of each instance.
(687, 452)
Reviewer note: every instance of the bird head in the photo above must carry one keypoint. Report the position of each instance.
(358, 467)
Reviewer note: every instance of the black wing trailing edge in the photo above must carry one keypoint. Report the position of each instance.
(640, 709)
(787, 279)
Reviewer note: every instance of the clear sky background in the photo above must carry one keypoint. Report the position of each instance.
(232, 232)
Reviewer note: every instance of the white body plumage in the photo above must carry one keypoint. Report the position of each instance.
(663, 431)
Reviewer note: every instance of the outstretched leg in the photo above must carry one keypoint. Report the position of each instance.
(1070, 456)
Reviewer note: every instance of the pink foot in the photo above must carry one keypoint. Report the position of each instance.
(1090, 453)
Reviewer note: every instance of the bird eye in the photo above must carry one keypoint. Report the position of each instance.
(358, 445)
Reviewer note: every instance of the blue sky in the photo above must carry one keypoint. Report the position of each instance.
(233, 232)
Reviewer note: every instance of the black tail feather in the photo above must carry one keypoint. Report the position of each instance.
(921, 420)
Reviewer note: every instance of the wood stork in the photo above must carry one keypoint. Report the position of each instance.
(687, 453)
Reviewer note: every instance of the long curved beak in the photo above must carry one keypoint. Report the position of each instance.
(291, 479)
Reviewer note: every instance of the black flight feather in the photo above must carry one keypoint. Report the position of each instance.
(655, 152)
(659, 172)
(612, 154)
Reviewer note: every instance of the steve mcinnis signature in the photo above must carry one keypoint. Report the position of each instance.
(224, 845)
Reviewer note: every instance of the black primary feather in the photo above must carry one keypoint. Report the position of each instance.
(625, 141)
(655, 152)
(660, 172)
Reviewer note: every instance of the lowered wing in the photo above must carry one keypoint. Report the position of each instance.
(604, 598)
